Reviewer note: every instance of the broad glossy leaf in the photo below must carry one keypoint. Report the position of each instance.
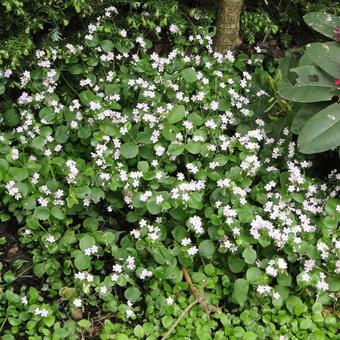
(313, 75)
(323, 23)
(306, 93)
(321, 132)
(304, 113)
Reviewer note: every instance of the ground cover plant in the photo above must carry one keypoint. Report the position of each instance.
(155, 198)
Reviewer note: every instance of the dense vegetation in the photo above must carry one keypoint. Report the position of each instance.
(152, 188)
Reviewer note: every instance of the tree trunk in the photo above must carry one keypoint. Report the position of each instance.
(228, 25)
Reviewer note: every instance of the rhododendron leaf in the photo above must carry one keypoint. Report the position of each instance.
(323, 23)
(321, 132)
(306, 93)
(313, 75)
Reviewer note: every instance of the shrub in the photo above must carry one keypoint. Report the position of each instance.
(317, 121)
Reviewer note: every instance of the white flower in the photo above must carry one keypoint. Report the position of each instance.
(130, 313)
(24, 300)
(263, 289)
(77, 302)
(103, 290)
(185, 242)
(276, 296)
(169, 300)
(193, 250)
(196, 224)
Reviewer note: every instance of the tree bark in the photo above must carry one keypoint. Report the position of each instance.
(228, 25)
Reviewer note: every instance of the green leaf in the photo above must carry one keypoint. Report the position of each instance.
(42, 213)
(323, 23)
(167, 321)
(86, 241)
(106, 45)
(189, 75)
(304, 113)
(39, 270)
(46, 113)
(235, 263)
(153, 207)
(249, 255)
(57, 213)
(254, 275)
(313, 75)
(321, 132)
(193, 147)
(61, 134)
(18, 174)
(86, 97)
(325, 56)
(129, 150)
(284, 280)
(179, 233)
(84, 132)
(97, 194)
(139, 332)
(76, 69)
(12, 118)
(240, 292)
(292, 303)
(306, 93)
(176, 114)
(176, 149)
(82, 261)
(132, 294)
(86, 324)
(206, 248)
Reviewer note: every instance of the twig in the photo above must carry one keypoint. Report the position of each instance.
(199, 295)
(186, 310)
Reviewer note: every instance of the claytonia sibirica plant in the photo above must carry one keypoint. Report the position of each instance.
(127, 169)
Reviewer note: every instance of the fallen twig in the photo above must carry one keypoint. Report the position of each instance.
(199, 295)
(186, 310)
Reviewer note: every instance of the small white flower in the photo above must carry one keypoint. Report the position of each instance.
(77, 302)
(169, 300)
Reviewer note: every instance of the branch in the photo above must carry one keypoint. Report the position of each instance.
(186, 310)
(199, 295)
